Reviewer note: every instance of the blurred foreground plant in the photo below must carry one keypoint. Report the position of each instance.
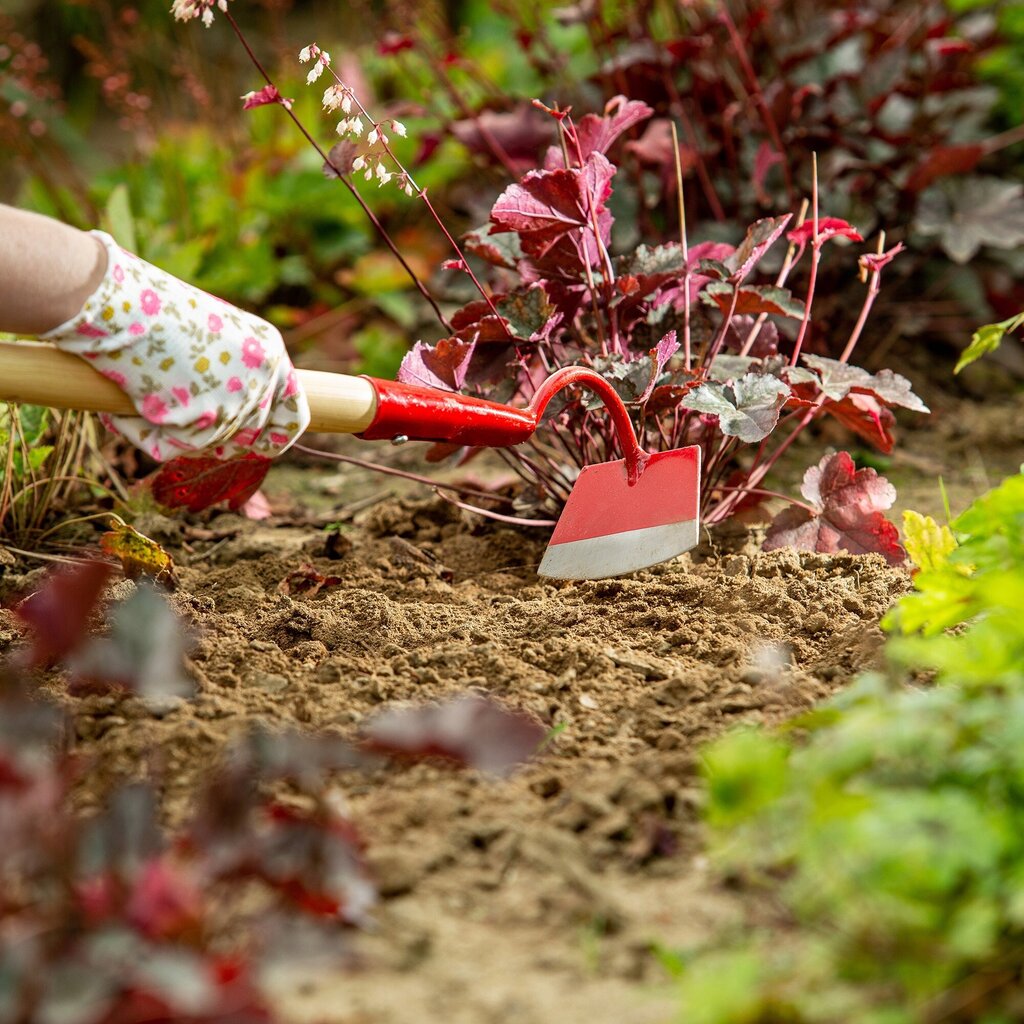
(886, 840)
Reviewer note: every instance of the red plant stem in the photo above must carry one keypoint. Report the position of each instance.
(351, 460)
(787, 265)
(487, 513)
(371, 216)
(769, 494)
(816, 245)
(874, 286)
(724, 329)
(755, 85)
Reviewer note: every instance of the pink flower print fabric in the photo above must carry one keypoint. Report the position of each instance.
(202, 373)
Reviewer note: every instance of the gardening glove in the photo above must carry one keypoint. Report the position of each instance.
(202, 373)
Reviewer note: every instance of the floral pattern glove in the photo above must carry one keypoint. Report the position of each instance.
(204, 374)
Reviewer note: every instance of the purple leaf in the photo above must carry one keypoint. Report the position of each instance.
(660, 355)
(261, 97)
(547, 205)
(443, 365)
(472, 731)
(760, 237)
(753, 299)
(848, 506)
(598, 132)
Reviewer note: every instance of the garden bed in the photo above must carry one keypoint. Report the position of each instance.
(541, 897)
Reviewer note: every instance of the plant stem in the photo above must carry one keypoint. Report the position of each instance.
(685, 245)
(869, 300)
(378, 226)
(815, 260)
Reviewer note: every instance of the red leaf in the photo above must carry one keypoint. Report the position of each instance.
(943, 161)
(443, 365)
(165, 902)
(867, 418)
(597, 132)
(547, 205)
(260, 98)
(874, 261)
(660, 355)
(828, 227)
(760, 237)
(59, 612)
(848, 513)
(393, 42)
(199, 481)
(518, 133)
(472, 731)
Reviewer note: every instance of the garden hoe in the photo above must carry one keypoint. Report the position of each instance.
(621, 516)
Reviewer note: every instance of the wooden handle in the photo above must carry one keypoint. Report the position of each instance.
(41, 374)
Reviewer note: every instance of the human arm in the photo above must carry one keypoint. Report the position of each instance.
(204, 374)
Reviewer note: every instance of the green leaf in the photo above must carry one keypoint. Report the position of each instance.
(118, 220)
(987, 339)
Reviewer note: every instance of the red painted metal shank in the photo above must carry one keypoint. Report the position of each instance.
(429, 414)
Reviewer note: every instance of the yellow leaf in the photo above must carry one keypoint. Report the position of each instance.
(139, 555)
(928, 544)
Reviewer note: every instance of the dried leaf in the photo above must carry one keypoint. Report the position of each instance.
(472, 731)
(139, 555)
(848, 512)
(199, 481)
(747, 408)
(308, 580)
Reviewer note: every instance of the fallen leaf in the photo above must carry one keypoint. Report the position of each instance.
(848, 505)
(307, 579)
(747, 408)
(139, 555)
(199, 481)
(472, 731)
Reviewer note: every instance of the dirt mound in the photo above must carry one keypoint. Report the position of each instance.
(538, 898)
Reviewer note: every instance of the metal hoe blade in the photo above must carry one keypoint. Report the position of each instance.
(609, 528)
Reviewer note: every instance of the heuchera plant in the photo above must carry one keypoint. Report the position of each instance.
(705, 344)
(111, 918)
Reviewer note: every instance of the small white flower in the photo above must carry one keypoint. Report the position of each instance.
(369, 174)
(208, 17)
(314, 73)
(346, 102)
(398, 128)
(357, 125)
(332, 97)
(359, 163)
(383, 174)
(373, 136)
(305, 54)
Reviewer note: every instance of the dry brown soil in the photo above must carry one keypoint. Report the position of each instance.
(535, 899)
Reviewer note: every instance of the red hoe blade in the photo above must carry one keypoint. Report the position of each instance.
(609, 526)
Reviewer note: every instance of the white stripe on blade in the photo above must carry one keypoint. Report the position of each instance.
(618, 553)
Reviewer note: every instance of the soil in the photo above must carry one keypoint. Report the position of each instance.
(546, 896)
